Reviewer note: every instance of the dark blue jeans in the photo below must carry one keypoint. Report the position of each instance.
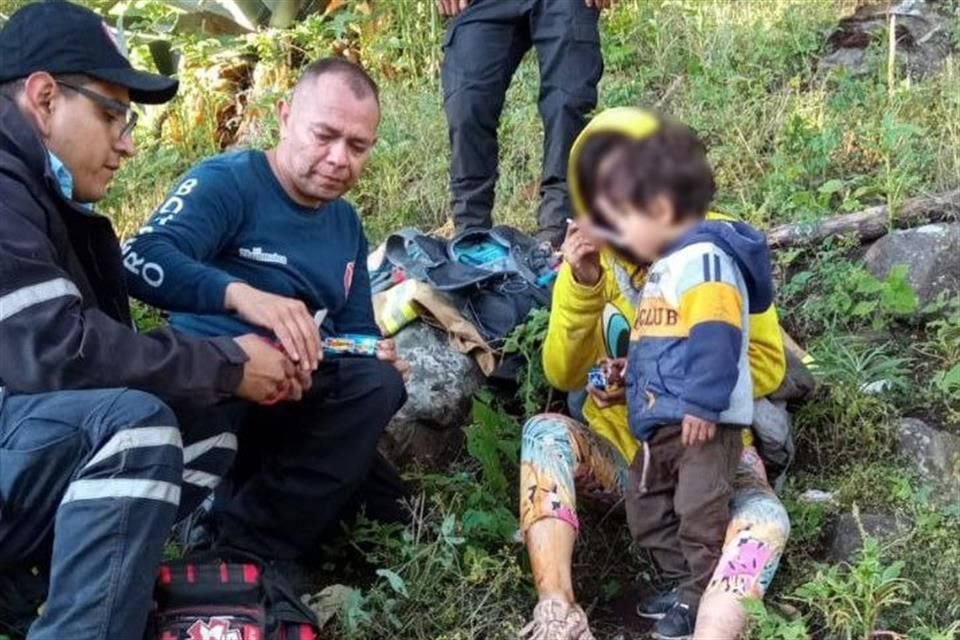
(104, 474)
(482, 49)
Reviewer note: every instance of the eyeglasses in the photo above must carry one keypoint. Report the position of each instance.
(116, 107)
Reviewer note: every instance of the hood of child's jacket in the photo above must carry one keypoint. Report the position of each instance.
(748, 247)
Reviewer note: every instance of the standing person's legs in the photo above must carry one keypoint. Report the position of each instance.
(650, 495)
(705, 475)
(102, 471)
(302, 462)
(755, 539)
(560, 457)
(567, 39)
(482, 49)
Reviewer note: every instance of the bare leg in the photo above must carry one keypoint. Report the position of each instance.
(720, 617)
(550, 545)
(756, 536)
(559, 455)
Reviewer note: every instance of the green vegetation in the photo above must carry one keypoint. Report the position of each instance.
(789, 144)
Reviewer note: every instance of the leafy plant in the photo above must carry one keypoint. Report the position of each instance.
(837, 294)
(527, 342)
(940, 355)
(767, 625)
(851, 599)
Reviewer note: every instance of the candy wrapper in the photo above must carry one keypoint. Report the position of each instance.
(597, 378)
(607, 375)
(351, 345)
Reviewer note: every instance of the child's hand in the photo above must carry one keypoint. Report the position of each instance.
(582, 254)
(604, 399)
(615, 369)
(697, 431)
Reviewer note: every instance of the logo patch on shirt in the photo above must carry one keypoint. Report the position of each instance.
(657, 319)
(616, 331)
(258, 254)
(348, 277)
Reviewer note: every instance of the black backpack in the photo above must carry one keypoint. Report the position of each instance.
(494, 277)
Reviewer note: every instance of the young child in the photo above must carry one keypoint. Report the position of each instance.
(689, 390)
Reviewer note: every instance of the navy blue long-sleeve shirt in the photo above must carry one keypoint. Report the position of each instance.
(229, 219)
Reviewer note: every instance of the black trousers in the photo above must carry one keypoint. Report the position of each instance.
(303, 467)
(482, 49)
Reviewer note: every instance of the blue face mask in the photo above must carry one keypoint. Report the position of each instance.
(64, 179)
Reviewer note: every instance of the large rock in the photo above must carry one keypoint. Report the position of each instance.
(922, 35)
(846, 539)
(933, 454)
(930, 253)
(440, 390)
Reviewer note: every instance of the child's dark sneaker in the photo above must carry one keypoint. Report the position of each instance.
(677, 624)
(655, 607)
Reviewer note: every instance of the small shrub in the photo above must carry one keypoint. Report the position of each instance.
(850, 600)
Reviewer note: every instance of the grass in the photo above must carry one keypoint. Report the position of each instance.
(788, 144)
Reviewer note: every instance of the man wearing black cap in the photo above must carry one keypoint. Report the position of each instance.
(94, 465)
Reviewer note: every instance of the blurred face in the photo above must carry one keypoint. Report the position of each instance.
(642, 234)
(644, 231)
(86, 135)
(326, 136)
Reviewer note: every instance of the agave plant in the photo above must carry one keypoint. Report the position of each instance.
(216, 17)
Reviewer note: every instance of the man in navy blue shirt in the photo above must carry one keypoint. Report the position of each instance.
(262, 241)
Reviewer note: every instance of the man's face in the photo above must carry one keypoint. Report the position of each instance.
(326, 135)
(87, 138)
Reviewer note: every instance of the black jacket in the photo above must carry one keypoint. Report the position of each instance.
(64, 313)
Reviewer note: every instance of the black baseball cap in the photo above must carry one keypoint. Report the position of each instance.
(60, 37)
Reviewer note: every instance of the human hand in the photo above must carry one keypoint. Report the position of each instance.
(299, 385)
(697, 431)
(286, 317)
(582, 253)
(268, 374)
(387, 352)
(615, 369)
(609, 397)
(450, 8)
(600, 4)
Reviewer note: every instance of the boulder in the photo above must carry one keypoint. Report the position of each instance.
(922, 35)
(845, 538)
(440, 394)
(931, 254)
(933, 454)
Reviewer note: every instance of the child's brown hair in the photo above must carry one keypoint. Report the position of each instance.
(671, 162)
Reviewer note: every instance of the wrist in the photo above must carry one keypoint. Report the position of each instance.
(233, 291)
(588, 276)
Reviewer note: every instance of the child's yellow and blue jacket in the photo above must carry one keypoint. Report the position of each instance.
(588, 323)
(689, 344)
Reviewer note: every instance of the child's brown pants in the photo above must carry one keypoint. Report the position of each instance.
(683, 514)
